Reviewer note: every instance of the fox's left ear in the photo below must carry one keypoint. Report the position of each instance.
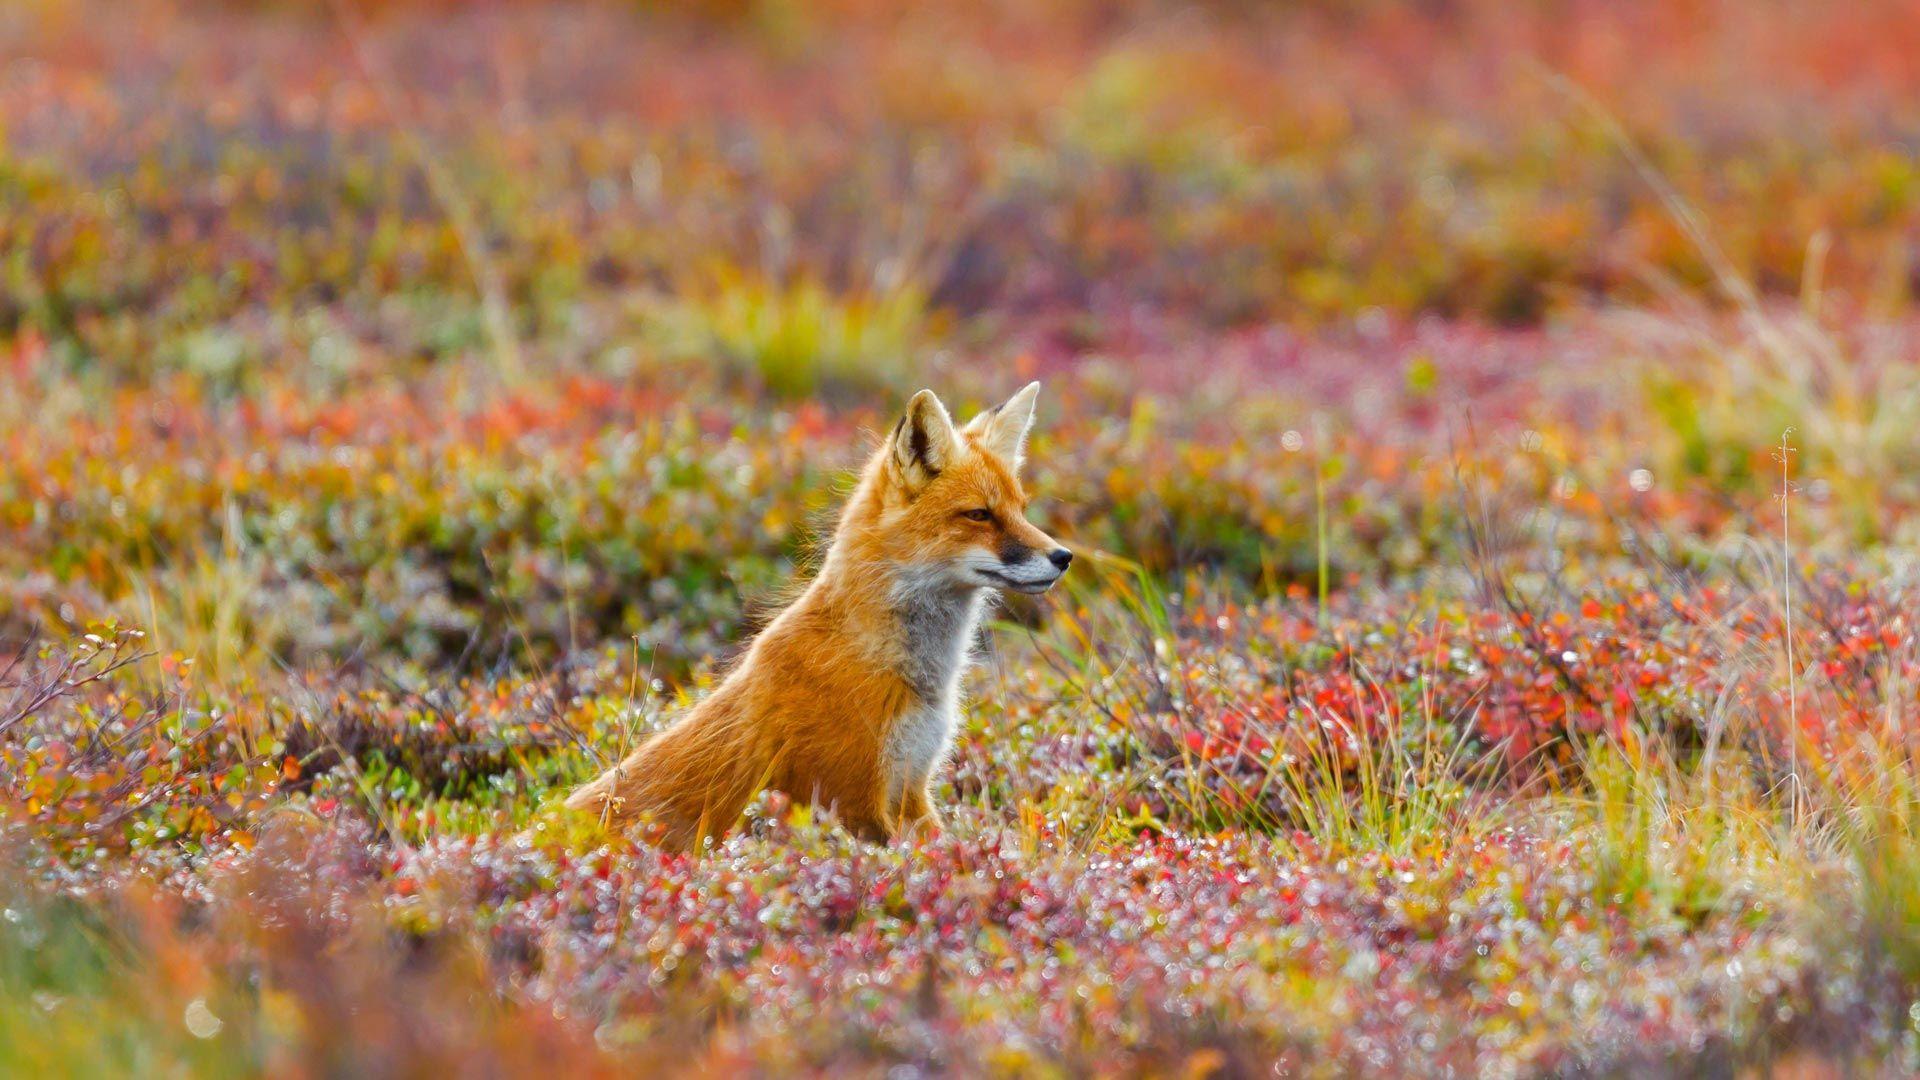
(923, 442)
(1004, 430)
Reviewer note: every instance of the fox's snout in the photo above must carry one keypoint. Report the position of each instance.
(1031, 568)
(1060, 557)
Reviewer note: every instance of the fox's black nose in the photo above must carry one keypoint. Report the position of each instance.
(1059, 557)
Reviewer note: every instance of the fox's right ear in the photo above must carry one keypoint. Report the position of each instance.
(1003, 429)
(922, 443)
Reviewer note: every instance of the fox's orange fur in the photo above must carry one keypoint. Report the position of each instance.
(849, 698)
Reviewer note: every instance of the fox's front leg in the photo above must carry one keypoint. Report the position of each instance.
(917, 815)
(891, 817)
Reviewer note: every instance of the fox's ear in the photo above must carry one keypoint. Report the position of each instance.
(1004, 430)
(922, 443)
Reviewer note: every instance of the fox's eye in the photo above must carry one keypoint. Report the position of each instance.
(977, 515)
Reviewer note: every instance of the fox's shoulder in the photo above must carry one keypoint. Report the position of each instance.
(808, 653)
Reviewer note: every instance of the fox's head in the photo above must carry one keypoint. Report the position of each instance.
(945, 503)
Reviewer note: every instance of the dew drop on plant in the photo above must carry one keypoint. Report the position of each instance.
(200, 1021)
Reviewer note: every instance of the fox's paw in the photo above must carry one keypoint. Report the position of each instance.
(922, 829)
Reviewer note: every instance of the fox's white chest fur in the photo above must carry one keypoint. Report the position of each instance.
(938, 622)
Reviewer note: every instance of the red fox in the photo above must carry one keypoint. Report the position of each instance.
(849, 698)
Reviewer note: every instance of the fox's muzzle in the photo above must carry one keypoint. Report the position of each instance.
(1024, 569)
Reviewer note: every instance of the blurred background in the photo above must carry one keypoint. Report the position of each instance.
(402, 404)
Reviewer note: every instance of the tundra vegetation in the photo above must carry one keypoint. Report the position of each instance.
(1488, 432)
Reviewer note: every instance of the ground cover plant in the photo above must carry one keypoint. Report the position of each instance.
(1486, 432)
